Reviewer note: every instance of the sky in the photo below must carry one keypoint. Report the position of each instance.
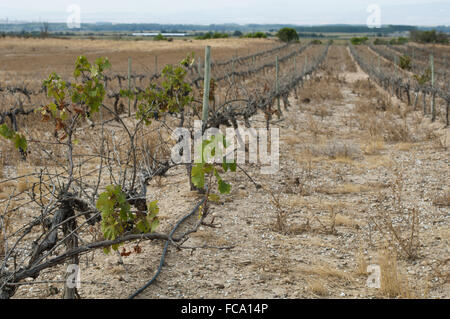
(300, 12)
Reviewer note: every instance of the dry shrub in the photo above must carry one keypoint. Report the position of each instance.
(282, 214)
(398, 224)
(284, 209)
(440, 274)
(395, 131)
(153, 149)
(313, 126)
(391, 129)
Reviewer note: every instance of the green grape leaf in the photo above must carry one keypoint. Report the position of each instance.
(198, 176)
(224, 188)
(154, 225)
(20, 142)
(6, 132)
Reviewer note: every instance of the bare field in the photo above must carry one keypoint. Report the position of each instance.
(22, 58)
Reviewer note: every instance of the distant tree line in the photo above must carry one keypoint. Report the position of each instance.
(355, 29)
(211, 35)
(311, 35)
(229, 28)
(255, 35)
(394, 41)
(429, 36)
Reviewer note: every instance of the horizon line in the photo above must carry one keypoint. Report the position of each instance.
(17, 21)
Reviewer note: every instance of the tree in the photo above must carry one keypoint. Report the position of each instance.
(159, 37)
(237, 33)
(358, 41)
(287, 35)
(45, 29)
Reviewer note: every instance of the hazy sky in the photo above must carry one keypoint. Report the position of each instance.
(417, 12)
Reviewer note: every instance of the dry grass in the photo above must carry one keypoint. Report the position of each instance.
(25, 183)
(386, 126)
(439, 142)
(376, 161)
(317, 287)
(346, 188)
(339, 61)
(342, 220)
(321, 89)
(373, 146)
(336, 150)
(361, 266)
(4, 227)
(33, 58)
(6, 189)
(404, 146)
(325, 271)
(442, 199)
(8, 154)
(291, 140)
(365, 87)
(393, 284)
(397, 131)
(371, 124)
(322, 111)
(17, 44)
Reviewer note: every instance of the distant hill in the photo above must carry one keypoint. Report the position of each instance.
(230, 27)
